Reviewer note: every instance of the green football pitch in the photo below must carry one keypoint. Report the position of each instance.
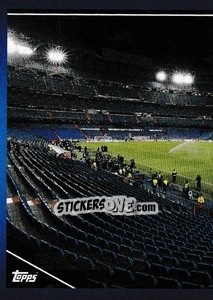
(189, 158)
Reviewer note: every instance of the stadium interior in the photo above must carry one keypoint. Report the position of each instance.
(107, 95)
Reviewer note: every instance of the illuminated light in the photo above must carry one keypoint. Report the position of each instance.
(16, 49)
(182, 78)
(11, 46)
(161, 76)
(56, 56)
(178, 78)
(188, 79)
(23, 50)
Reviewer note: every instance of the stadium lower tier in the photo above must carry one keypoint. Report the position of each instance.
(172, 249)
(84, 132)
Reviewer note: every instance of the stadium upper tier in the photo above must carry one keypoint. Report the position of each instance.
(48, 101)
(84, 117)
(55, 83)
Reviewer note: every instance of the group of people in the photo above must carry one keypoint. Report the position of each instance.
(67, 144)
(113, 164)
(158, 180)
(186, 188)
(200, 203)
(118, 166)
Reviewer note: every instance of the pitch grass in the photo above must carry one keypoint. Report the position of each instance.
(188, 158)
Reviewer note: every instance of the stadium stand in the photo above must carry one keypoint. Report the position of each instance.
(173, 249)
(102, 250)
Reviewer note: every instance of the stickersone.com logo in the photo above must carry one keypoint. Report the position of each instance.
(23, 276)
(116, 205)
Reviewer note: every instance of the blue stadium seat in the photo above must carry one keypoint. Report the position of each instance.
(151, 257)
(117, 239)
(179, 274)
(102, 243)
(151, 248)
(34, 241)
(190, 285)
(144, 280)
(83, 247)
(124, 261)
(159, 270)
(139, 245)
(139, 254)
(194, 257)
(149, 241)
(205, 268)
(168, 283)
(109, 257)
(45, 246)
(72, 258)
(171, 261)
(102, 271)
(73, 243)
(114, 246)
(127, 242)
(140, 265)
(187, 264)
(95, 251)
(57, 251)
(122, 277)
(92, 239)
(125, 250)
(200, 277)
(179, 255)
(173, 247)
(85, 264)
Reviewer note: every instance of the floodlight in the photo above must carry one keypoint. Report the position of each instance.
(23, 50)
(56, 56)
(188, 79)
(11, 46)
(15, 48)
(182, 78)
(178, 78)
(161, 76)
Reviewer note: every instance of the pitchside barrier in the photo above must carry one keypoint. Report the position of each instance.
(100, 138)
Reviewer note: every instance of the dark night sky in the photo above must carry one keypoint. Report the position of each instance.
(165, 39)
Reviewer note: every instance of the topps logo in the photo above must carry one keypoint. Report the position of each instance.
(23, 277)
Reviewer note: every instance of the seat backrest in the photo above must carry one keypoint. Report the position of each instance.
(200, 277)
(180, 274)
(144, 280)
(187, 264)
(194, 257)
(190, 285)
(171, 261)
(205, 267)
(159, 270)
(168, 283)
(153, 258)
